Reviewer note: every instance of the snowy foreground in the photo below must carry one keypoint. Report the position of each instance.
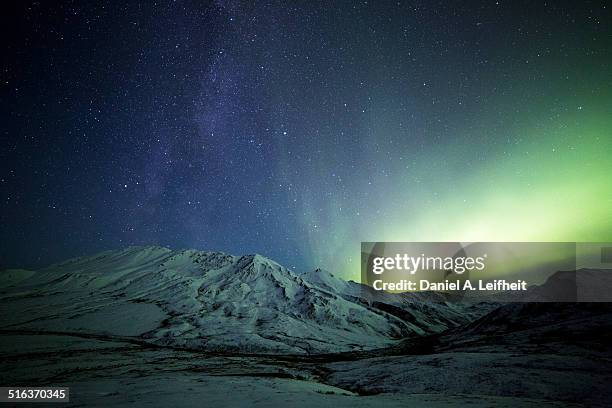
(155, 327)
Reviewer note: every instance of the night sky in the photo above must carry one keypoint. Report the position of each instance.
(298, 130)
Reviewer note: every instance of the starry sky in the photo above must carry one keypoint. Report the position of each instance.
(298, 129)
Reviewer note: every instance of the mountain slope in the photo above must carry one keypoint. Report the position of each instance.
(214, 302)
(554, 351)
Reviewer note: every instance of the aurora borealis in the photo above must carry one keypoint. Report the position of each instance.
(298, 131)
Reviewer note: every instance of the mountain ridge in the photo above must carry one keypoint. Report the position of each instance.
(219, 302)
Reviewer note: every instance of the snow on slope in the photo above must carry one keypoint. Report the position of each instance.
(551, 351)
(425, 312)
(213, 301)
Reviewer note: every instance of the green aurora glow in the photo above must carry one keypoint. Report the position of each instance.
(553, 183)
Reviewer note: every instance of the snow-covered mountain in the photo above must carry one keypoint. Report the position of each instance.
(90, 323)
(215, 302)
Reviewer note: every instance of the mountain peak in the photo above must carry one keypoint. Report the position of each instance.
(214, 301)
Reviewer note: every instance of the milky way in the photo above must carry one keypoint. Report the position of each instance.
(299, 130)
